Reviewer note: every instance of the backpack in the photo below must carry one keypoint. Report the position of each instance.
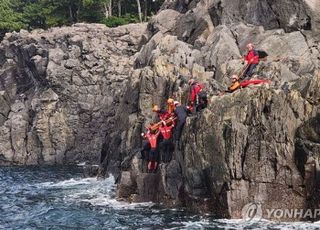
(262, 54)
(202, 95)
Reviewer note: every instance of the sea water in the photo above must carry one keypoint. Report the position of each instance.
(62, 198)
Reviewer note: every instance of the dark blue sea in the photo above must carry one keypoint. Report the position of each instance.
(62, 198)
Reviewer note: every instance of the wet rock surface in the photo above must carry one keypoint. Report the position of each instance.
(85, 93)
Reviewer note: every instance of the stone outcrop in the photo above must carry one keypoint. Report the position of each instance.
(249, 146)
(85, 93)
(60, 89)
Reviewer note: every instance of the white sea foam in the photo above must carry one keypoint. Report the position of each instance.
(101, 193)
(93, 191)
(69, 183)
(241, 224)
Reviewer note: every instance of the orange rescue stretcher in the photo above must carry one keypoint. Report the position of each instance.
(156, 126)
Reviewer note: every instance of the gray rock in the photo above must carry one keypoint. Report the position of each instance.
(4, 106)
(241, 148)
(160, 21)
(67, 93)
(85, 93)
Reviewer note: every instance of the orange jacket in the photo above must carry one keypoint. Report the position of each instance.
(236, 85)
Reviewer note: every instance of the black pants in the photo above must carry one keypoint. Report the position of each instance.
(167, 148)
(249, 71)
(145, 150)
(178, 129)
(154, 155)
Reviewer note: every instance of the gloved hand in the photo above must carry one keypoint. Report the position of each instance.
(189, 108)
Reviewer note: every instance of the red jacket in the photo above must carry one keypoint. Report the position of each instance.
(163, 115)
(252, 57)
(195, 89)
(166, 131)
(153, 139)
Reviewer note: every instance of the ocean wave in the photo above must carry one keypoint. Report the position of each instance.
(93, 191)
(68, 183)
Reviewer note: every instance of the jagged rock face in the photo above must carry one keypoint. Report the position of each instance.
(201, 15)
(247, 149)
(250, 146)
(86, 93)
(291, 15)
(60, 90)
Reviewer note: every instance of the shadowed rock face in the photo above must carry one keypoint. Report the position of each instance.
(60, 91)
(85, 93)
(289, 15)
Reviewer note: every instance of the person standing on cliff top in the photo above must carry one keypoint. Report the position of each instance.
(252, 59)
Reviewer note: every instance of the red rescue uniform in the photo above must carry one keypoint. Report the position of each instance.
(166, 131)
(195, 89)
(153, 139)
(252, 57)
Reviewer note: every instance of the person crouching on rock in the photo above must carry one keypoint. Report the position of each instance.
(167, 146)
(153, 156)
(252, 59)
(198, 97)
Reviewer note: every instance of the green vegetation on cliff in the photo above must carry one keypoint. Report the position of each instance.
(31, 14)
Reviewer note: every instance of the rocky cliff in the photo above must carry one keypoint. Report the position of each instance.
(84, 93)
(256, 145)
(60, 90)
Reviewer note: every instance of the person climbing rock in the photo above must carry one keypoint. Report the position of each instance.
(198, 97)
(162, 114)
(145, 148)
(153, 156)
(170, 103)
(252, 59)
(181, 112)
(166, 145)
